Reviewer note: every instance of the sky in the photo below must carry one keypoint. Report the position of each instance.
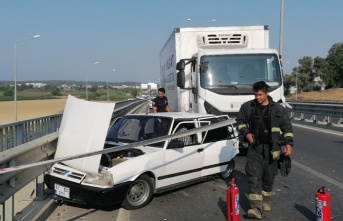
(120, 40)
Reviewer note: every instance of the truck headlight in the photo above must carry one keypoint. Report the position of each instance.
(104, 178)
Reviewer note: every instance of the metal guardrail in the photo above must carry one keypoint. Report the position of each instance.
(31, 141)
(327, 110)
(20, 132)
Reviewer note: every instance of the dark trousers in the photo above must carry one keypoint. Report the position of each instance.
(261, 170)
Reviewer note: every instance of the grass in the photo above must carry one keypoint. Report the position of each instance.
(98, 95)
(333, 95)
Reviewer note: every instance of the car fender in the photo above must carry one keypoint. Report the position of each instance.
(132, 168)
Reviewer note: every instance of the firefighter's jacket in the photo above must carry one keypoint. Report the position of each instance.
(278, 121)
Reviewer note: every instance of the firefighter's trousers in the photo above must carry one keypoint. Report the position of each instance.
(261, 170)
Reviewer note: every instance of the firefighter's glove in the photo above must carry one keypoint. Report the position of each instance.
(284, 164)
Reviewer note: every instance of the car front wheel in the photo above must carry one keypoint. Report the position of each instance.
(139, 193)
(229, 169)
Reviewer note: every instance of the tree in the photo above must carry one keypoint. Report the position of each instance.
(9, 91)
(56, 91)
(322, 70)
(288, 82)
(134, 92)
(306, 66)
(335, 61)
(94, 88)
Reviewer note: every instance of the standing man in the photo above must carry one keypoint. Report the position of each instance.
(260, 122)
(160, 103)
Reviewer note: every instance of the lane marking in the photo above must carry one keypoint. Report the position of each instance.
(123, 215)
(320, 175)
(185, 193)
(323, 130)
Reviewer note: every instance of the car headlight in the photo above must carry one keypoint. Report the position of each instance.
(104, 178)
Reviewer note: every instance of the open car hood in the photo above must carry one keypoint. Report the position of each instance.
(83, 130)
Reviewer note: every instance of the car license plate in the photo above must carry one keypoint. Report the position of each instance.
(62, 191)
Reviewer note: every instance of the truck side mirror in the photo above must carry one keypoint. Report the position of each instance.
(180, 66)
(180, 78)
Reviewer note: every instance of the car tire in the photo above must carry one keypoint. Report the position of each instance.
(229, 169)
(139, 193)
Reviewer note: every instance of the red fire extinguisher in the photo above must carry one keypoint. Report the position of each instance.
(323, 205)
(232, 197)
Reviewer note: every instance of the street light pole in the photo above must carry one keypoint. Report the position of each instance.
(281, 29)
(108, 93)
(296, 85)
(15, 74)
(97, 62)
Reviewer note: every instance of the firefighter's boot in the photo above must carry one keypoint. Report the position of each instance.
(266, 205)
(266, 200)
(254, 213)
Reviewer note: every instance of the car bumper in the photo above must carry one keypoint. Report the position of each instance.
(82, 194)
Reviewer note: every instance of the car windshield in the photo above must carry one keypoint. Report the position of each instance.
(131, 129)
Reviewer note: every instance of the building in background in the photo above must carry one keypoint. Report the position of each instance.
(144, 86)
(152, 86)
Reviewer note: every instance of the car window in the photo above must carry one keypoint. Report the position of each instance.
(217, 134)
(185, 126)
(137, 128)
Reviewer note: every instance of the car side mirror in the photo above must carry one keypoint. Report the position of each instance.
(173, 144)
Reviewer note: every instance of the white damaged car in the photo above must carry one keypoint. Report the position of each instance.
(132, 176)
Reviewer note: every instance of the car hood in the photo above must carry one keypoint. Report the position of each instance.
(83, 130)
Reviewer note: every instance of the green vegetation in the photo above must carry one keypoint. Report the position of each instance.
(329, 69)
(53, 92)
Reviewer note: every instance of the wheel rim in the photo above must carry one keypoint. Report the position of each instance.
(229, 170)
(138, 193)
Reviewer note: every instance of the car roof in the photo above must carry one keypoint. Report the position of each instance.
(175, 115)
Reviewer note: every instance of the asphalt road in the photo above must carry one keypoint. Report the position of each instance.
(316, 162)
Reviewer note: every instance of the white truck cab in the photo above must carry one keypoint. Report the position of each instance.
(212, 69)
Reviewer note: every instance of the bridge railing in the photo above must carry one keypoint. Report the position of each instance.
(20, 132)
(329, 111)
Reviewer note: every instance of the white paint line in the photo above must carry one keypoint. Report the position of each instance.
(320, 175)
(183, 192)
(123, 215)
(319, 129)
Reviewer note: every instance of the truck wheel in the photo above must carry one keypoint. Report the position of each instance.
(229, 169)
(139, 193)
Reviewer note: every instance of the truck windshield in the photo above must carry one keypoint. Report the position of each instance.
(239, 71)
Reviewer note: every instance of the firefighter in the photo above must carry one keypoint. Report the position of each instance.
(260, 122)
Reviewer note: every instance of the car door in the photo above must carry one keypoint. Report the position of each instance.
(219, 147)
(184, 163)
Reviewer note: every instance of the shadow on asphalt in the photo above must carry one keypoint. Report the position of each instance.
(93, 207)
(305, 212)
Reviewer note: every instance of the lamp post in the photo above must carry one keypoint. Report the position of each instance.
(296, 85)
(15, 74)
(97, 62)
(281, 29)
(108, 93)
